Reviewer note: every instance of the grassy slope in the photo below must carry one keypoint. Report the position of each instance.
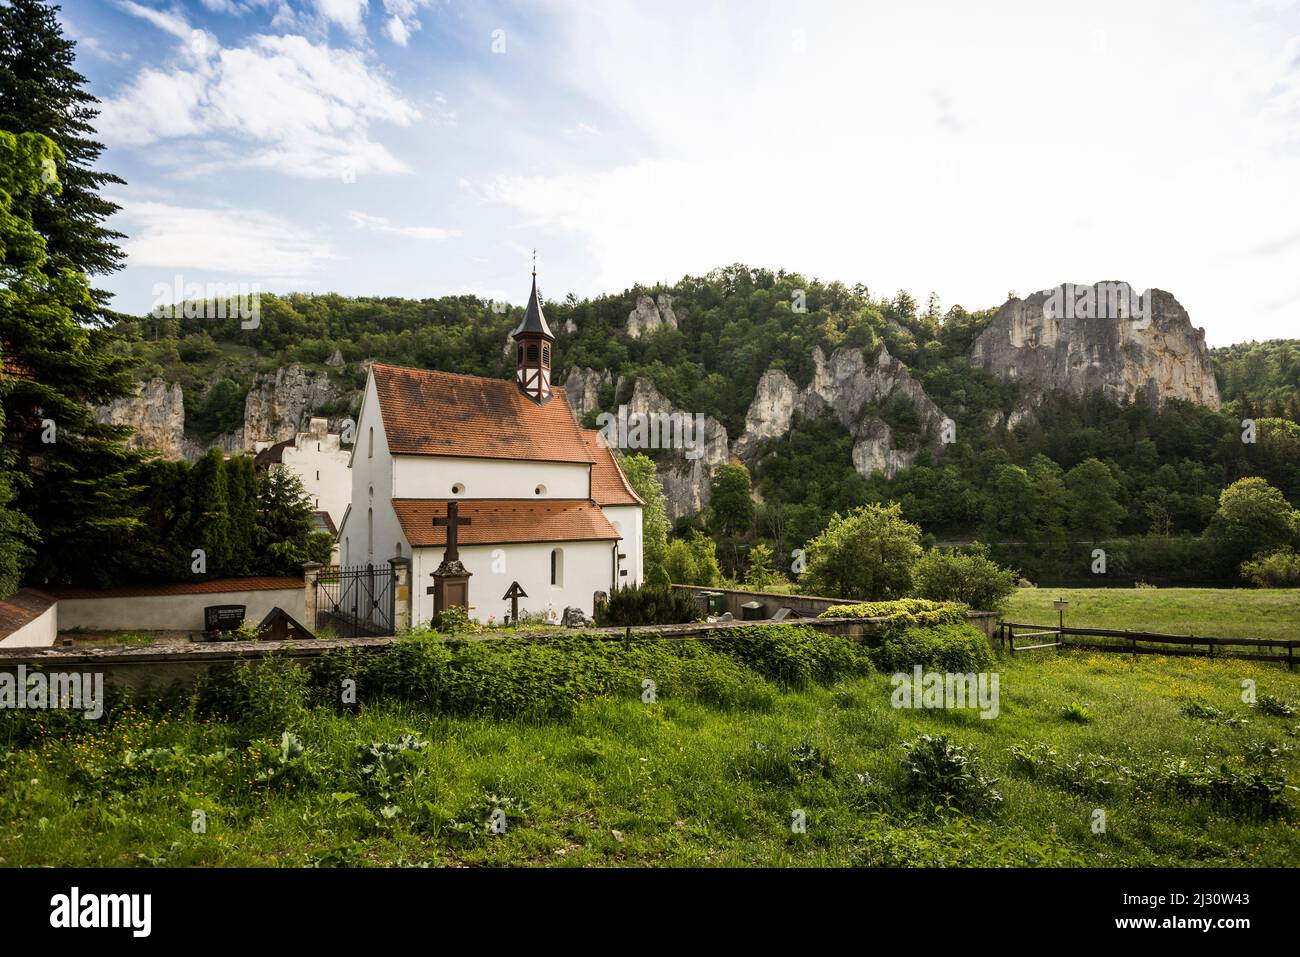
(1214, 612)
(677, 779)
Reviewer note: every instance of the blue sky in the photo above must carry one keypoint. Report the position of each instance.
(424, 147)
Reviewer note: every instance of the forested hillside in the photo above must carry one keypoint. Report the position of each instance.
(1074, 470)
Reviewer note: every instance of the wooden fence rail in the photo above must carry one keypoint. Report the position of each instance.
(1185, 645)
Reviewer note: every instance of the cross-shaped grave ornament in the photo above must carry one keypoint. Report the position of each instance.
(452, 523)
(513, 595)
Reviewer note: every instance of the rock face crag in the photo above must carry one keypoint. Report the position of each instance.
(1049, 343)
(157, 414)
(583, 386)
(685, 474)
(651, 314)
(842, 385)
(280, 404)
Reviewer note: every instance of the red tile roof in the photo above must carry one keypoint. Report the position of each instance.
(609, 486)
(23, 606)
(211, 586)
(504, 521)
(440, 413)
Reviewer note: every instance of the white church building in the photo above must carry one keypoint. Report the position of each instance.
(541, 501)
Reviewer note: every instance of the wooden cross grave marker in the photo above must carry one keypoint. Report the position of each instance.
(514, 594)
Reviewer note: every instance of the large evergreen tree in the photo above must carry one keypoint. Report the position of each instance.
(42, 92)
(78, 482)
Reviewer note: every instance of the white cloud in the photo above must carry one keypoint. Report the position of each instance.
(278, 102)
(379, 224)
(954, 150)
(404, 19)
(348, 14)
(231, 243)
(397, 31)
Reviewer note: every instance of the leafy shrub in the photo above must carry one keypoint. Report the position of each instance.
(1074, 711)
(965, 575)
(1279, 569)
(1258, 791)
(902, 612)
(1274, 707)
(939, 770)
(265, 699)
(1207, 712)
(386, 766)
(960, 649)
(794, 656)
(1089, 777)
(648, 605)
(774, 765)
(722, 683)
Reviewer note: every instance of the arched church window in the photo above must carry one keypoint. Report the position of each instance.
(557, 567)
(546, 354)
(371, 451)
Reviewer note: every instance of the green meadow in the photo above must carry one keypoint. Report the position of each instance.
(745, 758)
(1211, 612)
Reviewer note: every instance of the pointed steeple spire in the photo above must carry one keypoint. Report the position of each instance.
(534, 321)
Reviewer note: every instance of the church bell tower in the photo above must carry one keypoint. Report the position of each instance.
(533, 340)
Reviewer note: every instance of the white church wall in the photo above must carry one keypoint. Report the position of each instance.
(372, 533)
(587, 568)
(321, 462)
(425, 476)
(626, 520)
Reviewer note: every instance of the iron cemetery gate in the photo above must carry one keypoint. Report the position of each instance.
(355, 601)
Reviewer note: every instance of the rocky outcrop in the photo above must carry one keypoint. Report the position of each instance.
(651, 314)
(685, 472)
(157, 414)
(280, 404)
(1081, 339)
(582, 386)
(843, 385)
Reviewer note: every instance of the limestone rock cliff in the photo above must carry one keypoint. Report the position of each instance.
(1072, 338)
(651, 314)
(157, 414)
(280, 404)
(842, 385)
(583, 386)
(684, 473)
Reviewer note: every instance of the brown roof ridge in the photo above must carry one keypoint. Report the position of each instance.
(458, 375)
